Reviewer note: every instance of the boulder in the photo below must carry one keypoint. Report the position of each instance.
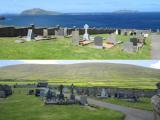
(155, 100)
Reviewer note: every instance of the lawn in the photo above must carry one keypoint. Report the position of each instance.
(62, 48)
(143, 103)
(22, 107)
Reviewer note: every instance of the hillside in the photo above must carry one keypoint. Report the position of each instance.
(38, 11)
(100, 73)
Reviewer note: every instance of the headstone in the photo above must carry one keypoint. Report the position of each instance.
(128, 47)
(117, 33)
(65, 31)
(56, 33)
(86, 35)
(75, 37)
(61, 95)
(112, 40)
(98, 42)
(104, 93)
(45, 33)
(61, 32)
(72, 96)
(83, 100)
(30, 35)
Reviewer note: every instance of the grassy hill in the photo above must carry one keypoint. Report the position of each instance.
(90, 74)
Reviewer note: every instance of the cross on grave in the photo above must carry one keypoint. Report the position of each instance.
(86, 35)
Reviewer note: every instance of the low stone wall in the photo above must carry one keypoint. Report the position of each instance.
(156, 106)
(15, 32)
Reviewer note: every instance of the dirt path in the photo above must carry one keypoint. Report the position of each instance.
(155, 51)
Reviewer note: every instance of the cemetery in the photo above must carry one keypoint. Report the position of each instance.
(63, 98)
(77, 42)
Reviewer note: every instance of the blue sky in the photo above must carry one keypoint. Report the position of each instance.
(145, 63)
(16, 6)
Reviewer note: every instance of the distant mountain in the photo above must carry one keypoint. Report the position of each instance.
(126, 11)
(38, 11)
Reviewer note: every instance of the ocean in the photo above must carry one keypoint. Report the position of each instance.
(107, 20)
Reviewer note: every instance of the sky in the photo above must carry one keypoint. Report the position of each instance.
(145, 63)
(65, 6)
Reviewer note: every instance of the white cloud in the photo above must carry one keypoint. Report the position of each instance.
(156, 65)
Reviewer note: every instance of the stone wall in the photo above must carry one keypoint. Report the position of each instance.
(15, 32)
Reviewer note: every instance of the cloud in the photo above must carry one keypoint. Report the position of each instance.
(156, 65)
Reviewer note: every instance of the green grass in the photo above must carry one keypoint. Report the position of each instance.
(23, 107)
(146, 84)
(144, 103)
(61, 48)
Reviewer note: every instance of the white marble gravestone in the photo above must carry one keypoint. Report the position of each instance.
(30, 35)
(86, 35)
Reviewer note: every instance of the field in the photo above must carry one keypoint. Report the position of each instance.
(22, 107)
(62, 48)
(143, 103)
(84, 74)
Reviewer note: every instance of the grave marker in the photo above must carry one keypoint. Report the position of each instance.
(86, 35)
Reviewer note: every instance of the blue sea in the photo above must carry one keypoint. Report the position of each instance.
(106, 20)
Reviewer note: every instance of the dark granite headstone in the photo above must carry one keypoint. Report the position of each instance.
(98, 42)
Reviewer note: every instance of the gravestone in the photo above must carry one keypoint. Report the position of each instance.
(128, 47)
(83, 100)
(56, 33)
(75, 37)
(98, 42)
(112, 40)
(30, 35)
(104, 93)
(61, 32)
(61, 95)
(45, 33)
(72, 96)
(65, 31)
(86, 35)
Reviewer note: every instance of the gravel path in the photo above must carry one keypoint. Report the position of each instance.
(130, 113)
(155, 52)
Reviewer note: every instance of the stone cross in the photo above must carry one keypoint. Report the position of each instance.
(86, 35)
